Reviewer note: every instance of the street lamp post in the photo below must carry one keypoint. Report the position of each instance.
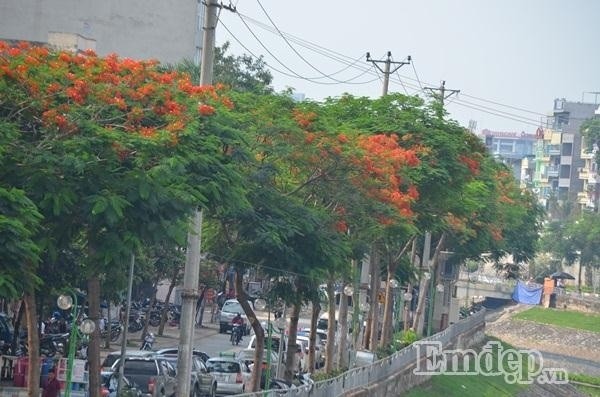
(349, 291)
(66, 302)
(407, 302)
(364, 308)
(280, 324)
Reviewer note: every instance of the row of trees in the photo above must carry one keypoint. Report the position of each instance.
(104, 157)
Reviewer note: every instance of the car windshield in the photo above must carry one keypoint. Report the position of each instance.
(140, 367)
(232, 307)
(247, 355)
(223, 366)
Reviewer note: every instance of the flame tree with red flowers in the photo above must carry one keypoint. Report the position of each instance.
(113, 153)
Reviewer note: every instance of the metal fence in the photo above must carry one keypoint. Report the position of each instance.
(379, 370)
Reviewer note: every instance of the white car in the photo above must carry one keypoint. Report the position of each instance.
(231, 307)
(232, 375)
(319, 356)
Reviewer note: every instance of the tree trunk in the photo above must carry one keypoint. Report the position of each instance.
(291, 360)
(392, 266)
(579, 277)
(33, 342)
(418, 320)
(423, 289)
(17, 325)
(108, 326)
(343, 322)
(149, 309)
(375, 306)
(242, 297)
(165, 309)
(93, 285)
(314, 319)
(331, 327)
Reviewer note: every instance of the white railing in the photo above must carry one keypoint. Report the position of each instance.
(379, 370)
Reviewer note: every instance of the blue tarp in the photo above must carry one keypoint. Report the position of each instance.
(528, 294)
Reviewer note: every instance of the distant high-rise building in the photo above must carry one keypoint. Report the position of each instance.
(168, 31)
(565, 171)
(512, 148)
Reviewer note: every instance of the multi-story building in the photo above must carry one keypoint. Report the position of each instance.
(166, 30)
(512, 148)
(564, 170)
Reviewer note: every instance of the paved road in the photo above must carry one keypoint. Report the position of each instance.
(206, 338)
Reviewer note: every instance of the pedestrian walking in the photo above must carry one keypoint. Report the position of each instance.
(52, 386)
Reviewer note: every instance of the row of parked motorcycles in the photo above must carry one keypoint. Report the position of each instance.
(56, 330)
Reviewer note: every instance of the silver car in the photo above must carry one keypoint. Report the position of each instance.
(203, 382)
(232, 374)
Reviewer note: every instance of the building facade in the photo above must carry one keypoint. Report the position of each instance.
(166, 30)
(514, 149)
(565, 170)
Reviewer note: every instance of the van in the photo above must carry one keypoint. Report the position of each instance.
(323, 322)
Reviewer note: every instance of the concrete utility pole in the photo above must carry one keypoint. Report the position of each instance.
(386, 69)
(444, 94)
(372, 329)
(190, 294)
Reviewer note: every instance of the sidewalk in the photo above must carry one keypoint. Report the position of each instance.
(170, 337)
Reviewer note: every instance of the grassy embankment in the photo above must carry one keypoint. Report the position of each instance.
(472, 385)
(562, 318)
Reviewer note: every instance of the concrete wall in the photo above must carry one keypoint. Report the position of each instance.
(404, 380)
(140, 29)
(580, 304)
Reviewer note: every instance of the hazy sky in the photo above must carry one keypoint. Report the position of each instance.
(521, 53)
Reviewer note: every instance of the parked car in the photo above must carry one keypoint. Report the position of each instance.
(319, 356)
(230, 308)
(109, 384)
(113, 356)
(175, 350)
(232, 374)
(155, 375)
(247, 356)
(203, 383)
(275, 340)
(321, 337)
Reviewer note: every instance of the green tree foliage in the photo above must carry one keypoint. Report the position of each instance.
(590, 129)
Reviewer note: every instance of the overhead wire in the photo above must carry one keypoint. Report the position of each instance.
(352, 63)
(412, 63)
(295, 74)
(293, 48)
(499, 115)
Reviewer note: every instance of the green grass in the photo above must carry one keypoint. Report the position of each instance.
(591, 380)
(562, 318)
(469, 385)
(588, 391)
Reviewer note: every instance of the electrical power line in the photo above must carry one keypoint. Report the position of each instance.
(351, 63)
(293, 48)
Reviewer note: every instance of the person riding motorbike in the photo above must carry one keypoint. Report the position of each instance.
(237, 324)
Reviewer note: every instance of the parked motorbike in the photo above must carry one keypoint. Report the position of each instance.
(174, 315)
(154, 317)
(135, 322)
(236, 334)
(115, 330)
(50, 344)
(148, 342)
